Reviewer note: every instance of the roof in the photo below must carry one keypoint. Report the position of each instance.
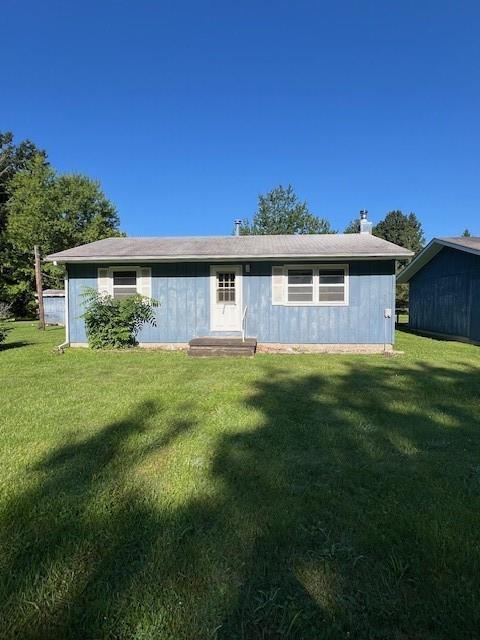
(470, 245)
(351, 245)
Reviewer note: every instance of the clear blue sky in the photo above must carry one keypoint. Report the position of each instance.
(186, 111)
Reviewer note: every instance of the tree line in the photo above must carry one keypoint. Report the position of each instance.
(40, 206)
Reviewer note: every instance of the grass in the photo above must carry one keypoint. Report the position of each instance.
(147, 495)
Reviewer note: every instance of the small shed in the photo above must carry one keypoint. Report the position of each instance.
(444, 284)
(54, 306)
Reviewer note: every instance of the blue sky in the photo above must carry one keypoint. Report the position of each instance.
(186, 111)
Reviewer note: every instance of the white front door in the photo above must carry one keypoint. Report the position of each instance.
(226, 298)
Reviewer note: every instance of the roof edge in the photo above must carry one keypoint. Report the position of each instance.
(57, 258)
(428, 253)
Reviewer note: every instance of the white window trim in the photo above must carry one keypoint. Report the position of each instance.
(141, 279)
(316, 285)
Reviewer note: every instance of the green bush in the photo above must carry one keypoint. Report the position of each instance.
(3, 332)
(4, 315)
(113, 323)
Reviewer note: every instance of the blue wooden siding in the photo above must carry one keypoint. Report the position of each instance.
(445, 295)
(54, 308)
(183, 291)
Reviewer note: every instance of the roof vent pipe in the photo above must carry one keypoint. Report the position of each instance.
(365, 224)
(238, 224)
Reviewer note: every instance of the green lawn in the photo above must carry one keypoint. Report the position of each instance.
(147, 495)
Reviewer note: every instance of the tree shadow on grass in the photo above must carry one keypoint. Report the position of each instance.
(14, 345)
(75, 542)
(347, 508)
(365, 504)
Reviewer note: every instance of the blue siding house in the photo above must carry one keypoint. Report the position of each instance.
(311, 292)
(445, 289)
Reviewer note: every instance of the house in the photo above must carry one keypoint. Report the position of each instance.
(444, 284)
(305, 292)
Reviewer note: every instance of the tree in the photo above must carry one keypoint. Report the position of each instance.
(56, 212)
(4, 315)
(13, 158)
(281, 212)
(402, 229)
(406, 231)
(353, 226)
(85, 210)
(466, 234)
(32, 210)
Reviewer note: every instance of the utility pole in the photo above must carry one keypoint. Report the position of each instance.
(38, 279)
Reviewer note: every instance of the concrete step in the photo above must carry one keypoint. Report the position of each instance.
(205, 352)
(214, 346)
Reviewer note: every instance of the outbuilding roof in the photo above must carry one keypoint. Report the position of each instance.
(470, 245)
(351, 245)
(54, 293)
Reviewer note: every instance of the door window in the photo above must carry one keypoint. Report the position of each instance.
(226, 287)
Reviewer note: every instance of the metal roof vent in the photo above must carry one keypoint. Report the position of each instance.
(238, 224)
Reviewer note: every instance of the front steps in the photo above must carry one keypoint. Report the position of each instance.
(212, 346)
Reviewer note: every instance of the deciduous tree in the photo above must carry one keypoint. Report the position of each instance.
(13, 158)
(55, 212)
(280, 211)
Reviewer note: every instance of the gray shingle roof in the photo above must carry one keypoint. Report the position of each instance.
(361, 245)
(470, 245)
(466, 243)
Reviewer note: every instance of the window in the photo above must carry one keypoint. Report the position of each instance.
(121, 282)
(226, 287)
(331, 285)
(300, 285)
(316, 285)
(124, 284)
